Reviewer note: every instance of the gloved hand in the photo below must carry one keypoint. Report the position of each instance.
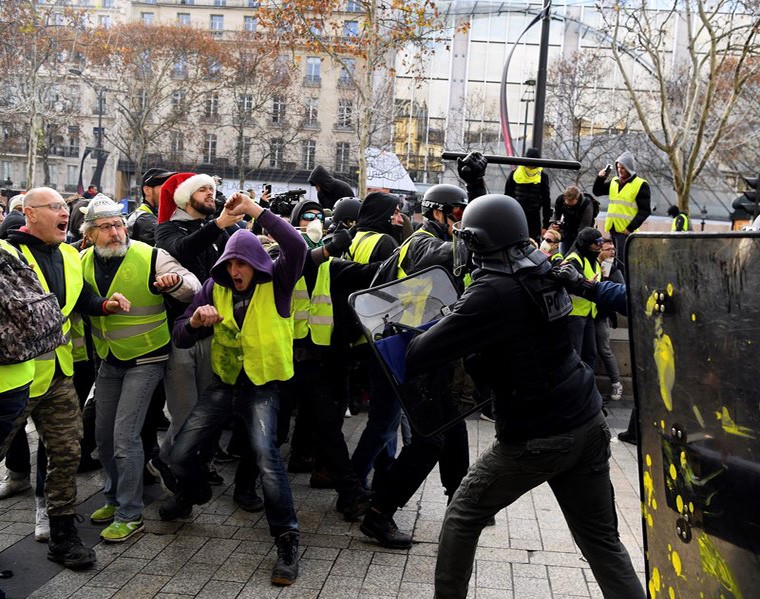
(567, 276)
(472, 167)
(339, 243)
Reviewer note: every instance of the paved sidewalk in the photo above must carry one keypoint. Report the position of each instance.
(225, 552)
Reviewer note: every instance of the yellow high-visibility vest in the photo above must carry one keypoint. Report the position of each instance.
(591, 270)
(129, 335)
(44, 365)
(263, 347)
(314, 315)
(521, 176)
(362, 246)
(622, 206)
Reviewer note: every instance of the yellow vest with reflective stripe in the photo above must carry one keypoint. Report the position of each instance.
(401, 273)
(264, 347)
(78, 344)
(362, 245)
(14, 376)
(314, 314)
(593, 271)
(44, 365)
(674, 226)
(129, 335)
(622, 206)
(521, 176)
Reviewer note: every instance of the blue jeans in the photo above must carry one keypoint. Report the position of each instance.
(122, 397)
(257, 407)
(12, 404)
(576, 466)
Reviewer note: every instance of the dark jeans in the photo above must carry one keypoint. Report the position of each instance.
(257, 406)
(19, 459)
(583, 337)
(619, 240)
(576, 466)
(12, 404)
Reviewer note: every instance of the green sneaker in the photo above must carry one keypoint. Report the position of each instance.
(119, 532)
(103, 515)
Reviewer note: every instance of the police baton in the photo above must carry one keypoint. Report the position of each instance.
(520, 161)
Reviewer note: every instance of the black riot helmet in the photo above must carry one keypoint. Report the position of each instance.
(445, 198)
(491, 223)
(346, 211)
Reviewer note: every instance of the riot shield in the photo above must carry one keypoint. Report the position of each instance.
(694, 314)
(390, 315)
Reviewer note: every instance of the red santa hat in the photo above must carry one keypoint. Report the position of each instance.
(177, 191)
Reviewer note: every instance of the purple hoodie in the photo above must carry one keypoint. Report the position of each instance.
(244, 245)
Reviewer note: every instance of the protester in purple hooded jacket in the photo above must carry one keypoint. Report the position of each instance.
(245, 307)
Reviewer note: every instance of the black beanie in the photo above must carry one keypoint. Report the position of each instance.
(533, 153)
(586, 237)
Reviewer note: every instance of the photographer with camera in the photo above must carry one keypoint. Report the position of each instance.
(574, 211)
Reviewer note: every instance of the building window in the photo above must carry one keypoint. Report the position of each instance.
(180, 67)
(178, 100)
(345, 114)
(217, 23)
(250, 23)
(254, 4)
(72, 174)
(209, 148)
(313, 69)
(183, 19)
(213, 69)
(350, 28)
(142, 100)
(312, 112)
(278, 110)
(176, 145)
(73, 145)
(100, 104)
(104, 21)
(245, 103)
(187, 2)
(211, 108)
(342, 156)
(107, 3)
(146, 18)
(308, 154)
(276, 150)
(353, 6)
(220, 2)
(347, 70)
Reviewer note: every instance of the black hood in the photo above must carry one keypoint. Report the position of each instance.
(330, 188)
(376, 211)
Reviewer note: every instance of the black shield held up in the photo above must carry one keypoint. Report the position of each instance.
(390, 315)
(694, 314)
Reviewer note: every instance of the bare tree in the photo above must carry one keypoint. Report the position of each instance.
(700, 57)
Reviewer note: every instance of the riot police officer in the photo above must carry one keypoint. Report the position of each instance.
(512, 322)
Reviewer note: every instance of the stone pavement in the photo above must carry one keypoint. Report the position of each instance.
(222, 551)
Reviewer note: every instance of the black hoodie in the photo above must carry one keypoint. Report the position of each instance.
(330, 188)
(375, 215)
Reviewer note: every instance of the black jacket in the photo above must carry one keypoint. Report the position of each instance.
(49, 259)
(428, 250)
(573, 218)
(330, 188)
(535, 200)
(541, 387)
(13, 222)
(144, 228)
(375, 215)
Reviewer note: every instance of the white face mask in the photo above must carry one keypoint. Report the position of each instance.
(314, 230)
(546, 247)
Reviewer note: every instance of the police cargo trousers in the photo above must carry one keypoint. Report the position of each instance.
(58, 419)
(576, 466)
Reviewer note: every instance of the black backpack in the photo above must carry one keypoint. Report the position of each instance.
(32, 319)
(596, 206)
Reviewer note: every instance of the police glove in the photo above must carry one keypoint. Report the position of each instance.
(567, 276)
(339, 243)
(472, 167)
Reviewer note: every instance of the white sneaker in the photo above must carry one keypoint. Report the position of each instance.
(13, 484)
(347, 414)
(617, 392)
(42, 528)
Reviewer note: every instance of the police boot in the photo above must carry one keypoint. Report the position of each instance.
(65, 547)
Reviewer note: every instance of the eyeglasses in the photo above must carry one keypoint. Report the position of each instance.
(54, 207)
(549, 240)
(106, 226)
(312, 215)
(456, 212)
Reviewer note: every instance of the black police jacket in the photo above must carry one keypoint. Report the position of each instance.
(541, 387)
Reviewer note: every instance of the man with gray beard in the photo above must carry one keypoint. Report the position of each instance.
(134, 347)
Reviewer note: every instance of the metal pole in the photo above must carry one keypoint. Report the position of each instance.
(101, 100)
(543, 57)
(525, 126)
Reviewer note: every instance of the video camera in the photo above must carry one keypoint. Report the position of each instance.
(282, 204)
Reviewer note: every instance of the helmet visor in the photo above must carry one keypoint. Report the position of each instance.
(462, 255)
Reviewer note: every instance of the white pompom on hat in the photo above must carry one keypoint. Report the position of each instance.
(177, 191)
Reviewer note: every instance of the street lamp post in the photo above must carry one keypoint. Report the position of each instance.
(98, 152)
(527, 97)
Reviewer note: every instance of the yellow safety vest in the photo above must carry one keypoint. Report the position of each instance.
(14, 376)
(44, 365)
(362, 246)
(314, 315)
(401, 273)
(129, 335)
(78, 343)
(521, 176)
(591, 270)
(622, 206)
(673, 226)
(264, 346)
